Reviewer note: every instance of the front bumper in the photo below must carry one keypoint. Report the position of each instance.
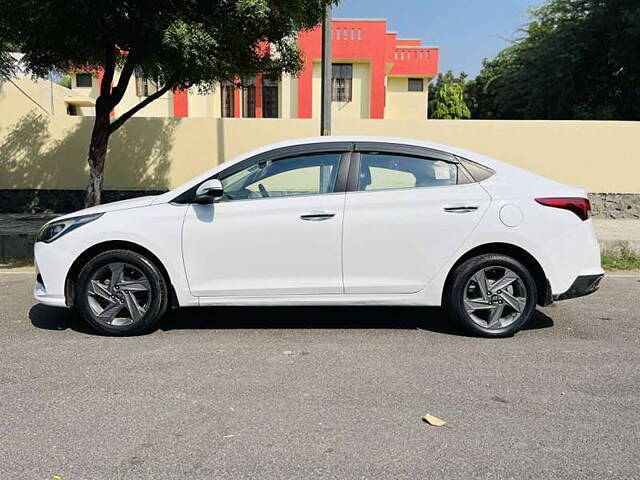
(50, 277)
(581, 286)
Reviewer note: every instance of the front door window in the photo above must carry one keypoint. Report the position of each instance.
(301, 175)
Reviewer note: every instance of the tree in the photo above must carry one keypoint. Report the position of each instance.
(447, 100)
(7, 64)
(64, 81)
(179, 44)
(576, 59)
(439, 82)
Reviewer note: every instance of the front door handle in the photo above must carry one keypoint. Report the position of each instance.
(317, 217)
(461, 209)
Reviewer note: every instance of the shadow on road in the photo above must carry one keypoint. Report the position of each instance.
(430, 319)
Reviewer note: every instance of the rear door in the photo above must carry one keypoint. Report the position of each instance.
(406, 213)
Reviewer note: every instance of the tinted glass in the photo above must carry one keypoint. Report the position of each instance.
(384, 172)
(269, 98)
(84, 80)
(416, 85)
(341, 82)
(303, 175)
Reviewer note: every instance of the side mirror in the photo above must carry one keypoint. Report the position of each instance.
(209, 191)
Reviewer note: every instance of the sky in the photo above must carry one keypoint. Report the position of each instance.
(465, 30)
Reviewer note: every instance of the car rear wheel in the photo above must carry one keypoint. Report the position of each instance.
(492, 295)
(120, 292)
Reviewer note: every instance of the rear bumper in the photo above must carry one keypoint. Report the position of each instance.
(581, 286)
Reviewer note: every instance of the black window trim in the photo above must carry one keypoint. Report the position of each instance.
(393, 148)
(344, 148)
(349, 167)
(415, 79)
(475, 171)
(85, 75)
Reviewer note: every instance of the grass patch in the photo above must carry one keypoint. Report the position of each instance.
(621, 260)
(15, 262)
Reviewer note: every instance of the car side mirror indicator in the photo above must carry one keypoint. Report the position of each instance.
(209, 191)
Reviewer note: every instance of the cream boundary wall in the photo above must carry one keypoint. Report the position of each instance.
(48, 152)
(161, 107)
(14, 104)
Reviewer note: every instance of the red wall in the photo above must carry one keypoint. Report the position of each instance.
(366, 41)
(180, 103)
(361, 41)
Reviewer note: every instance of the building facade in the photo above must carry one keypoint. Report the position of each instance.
(375, 75)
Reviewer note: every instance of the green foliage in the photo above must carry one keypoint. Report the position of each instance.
(624, 259)
(446, 97)
(180, 43)
(6, 62)
(577, 59)
(65, 81)
(437, 83)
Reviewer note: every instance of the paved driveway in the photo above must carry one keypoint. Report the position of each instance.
(321, 393)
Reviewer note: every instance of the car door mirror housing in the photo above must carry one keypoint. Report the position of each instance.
(209, 191)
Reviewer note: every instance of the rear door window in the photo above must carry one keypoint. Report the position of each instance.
(380, 171)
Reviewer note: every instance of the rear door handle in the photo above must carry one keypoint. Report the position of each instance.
(461, 208)
(317, 217)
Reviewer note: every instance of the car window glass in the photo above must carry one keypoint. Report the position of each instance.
(384, 172)
(301, 175)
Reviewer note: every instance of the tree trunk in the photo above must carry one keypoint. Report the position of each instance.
(97, 156)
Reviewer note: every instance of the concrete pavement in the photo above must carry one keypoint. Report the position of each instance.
(261, 393)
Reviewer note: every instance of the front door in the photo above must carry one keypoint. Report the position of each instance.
(405, 218)
(276, 231)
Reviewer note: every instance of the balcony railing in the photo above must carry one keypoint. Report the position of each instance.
(413, 54)
(347, 33)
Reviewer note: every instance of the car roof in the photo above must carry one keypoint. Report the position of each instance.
(489, 162)
(495, 165)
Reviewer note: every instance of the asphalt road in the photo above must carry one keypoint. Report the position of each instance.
(310, 393)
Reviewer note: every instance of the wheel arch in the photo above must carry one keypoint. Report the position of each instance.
(517, 253)
(89, 253)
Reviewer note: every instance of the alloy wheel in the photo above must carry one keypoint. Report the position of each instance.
(119, 294)
(495, 297)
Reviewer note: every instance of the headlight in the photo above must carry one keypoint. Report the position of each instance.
(54, 230)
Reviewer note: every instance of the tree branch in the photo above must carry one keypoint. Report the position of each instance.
(109, 70)
(123, 82)
(131, 112)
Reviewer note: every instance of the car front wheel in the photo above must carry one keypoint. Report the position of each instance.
(491, 295)
(120, 292)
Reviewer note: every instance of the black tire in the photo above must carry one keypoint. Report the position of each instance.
(155, 298)
(454, 298)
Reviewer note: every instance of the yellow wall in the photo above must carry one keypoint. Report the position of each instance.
(359, 107)
(161, 107)
(15, 103)
(403, 104)
(40, 151)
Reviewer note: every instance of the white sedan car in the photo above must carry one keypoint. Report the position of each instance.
(330, 221)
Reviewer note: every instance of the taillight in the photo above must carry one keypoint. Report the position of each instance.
(580, 206)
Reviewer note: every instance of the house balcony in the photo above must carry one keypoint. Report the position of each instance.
(415, 61)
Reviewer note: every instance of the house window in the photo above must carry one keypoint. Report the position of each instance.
(416, 85)
(249, 98)
(341, 80)
(144, 85)
(227, 90)
(269, 98)
(84, 80)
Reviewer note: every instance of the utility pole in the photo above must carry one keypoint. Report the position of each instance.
(327, 36)
(51, 92)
